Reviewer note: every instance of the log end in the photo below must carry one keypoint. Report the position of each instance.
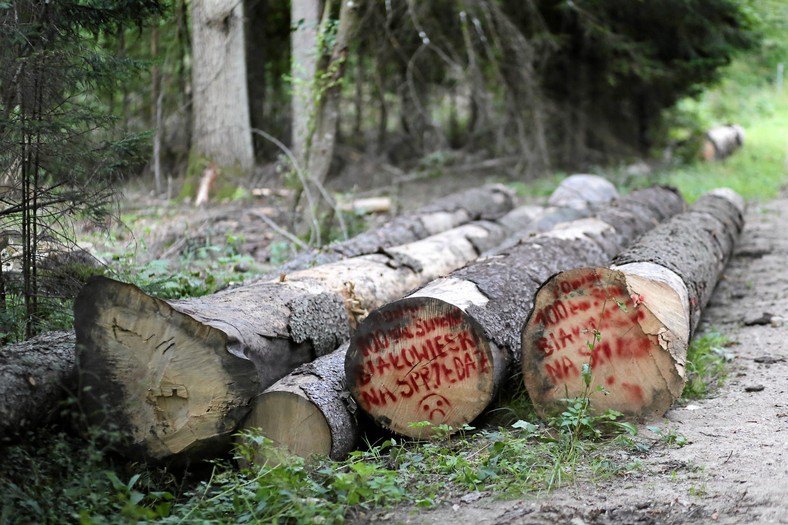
(290, 421)
(597, 318)
(420, 365)
(156, 373)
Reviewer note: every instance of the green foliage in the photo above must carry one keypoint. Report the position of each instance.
(58, 477)
(706, 359)
(623, 63)
(60, 154)
(201, 270)
(669, 436)
(78, 481)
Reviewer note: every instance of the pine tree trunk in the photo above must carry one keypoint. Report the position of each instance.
(323, 124)
(221, 128)
(305, 17)
(440, 354)
(631, 322)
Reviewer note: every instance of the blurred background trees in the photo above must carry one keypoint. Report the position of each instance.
(289, 93)
(551, 83)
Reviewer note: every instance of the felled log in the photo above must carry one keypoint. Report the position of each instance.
(178, 376)
(314, 396)
(309, 411)
(582, 191)
(722, 141)
(440, 354)
(34, 378)
(488, 202)
(630, 324)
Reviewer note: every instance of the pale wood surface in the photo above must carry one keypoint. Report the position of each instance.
(631, 322)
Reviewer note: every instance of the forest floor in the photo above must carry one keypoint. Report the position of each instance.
(734, 466)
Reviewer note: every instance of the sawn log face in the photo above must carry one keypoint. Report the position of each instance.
(695, 245)
(630, 324)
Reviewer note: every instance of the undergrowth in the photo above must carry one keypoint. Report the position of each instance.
(64, 479)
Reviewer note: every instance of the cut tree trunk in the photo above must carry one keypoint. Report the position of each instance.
(310, 411)
(440, 354)
(34, 377)
(630, 323)
(489, 202)
(179, 375)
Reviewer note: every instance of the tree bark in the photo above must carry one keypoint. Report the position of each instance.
(179, 375)
(630, 323)
(440, 354)
(323, 122)
(220, 101)
(257, 13)
(305, 19)
(34, 377)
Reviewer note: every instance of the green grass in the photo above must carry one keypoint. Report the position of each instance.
(758, 170)
(706, 359)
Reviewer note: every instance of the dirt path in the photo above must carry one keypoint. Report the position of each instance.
(734, 469)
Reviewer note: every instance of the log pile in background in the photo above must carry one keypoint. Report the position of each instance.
(179, 375)
(722, 141)
(439, 354)
(631, 322)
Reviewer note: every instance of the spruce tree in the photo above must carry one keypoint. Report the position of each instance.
(60, 152)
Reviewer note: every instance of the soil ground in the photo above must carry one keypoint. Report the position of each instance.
(734, 467)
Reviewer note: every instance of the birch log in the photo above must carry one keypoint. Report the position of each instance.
(630, 323)
(440, 354)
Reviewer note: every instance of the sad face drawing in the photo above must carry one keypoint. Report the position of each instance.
(435, 406)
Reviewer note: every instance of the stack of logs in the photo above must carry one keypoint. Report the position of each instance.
(614, 282)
